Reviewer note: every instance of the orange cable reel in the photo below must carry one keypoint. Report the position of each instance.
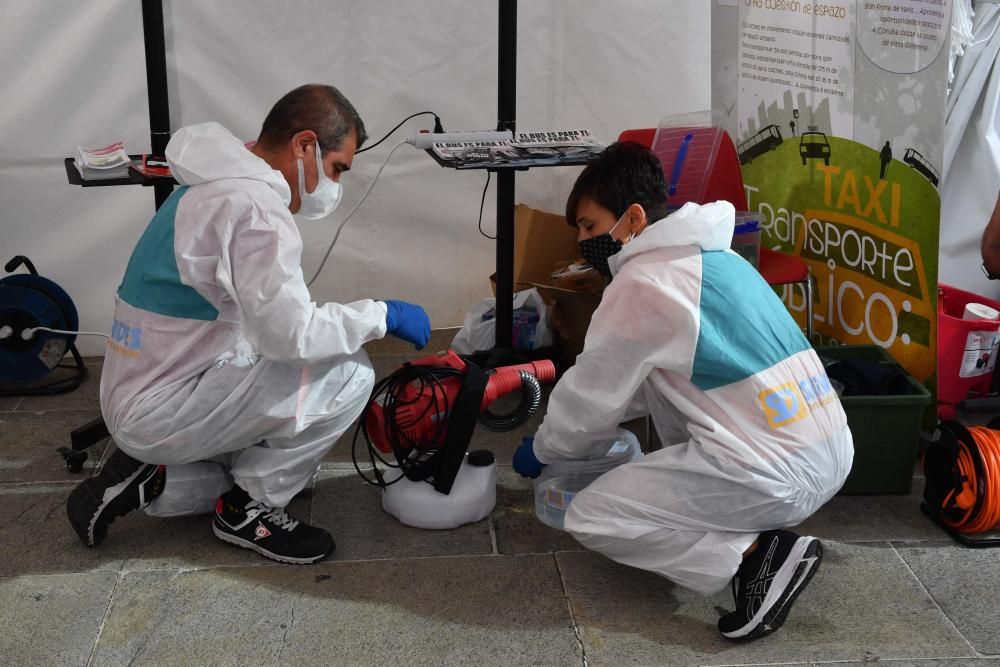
(963, 467)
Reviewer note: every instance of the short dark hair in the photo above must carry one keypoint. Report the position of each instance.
(317, 107)
(625, 173)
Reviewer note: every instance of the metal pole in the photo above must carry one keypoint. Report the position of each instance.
(506, 114)
(156, 86)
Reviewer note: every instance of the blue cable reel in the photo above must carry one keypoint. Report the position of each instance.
(28, 300)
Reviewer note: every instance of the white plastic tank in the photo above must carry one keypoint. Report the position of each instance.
(472, 497)
(559, 482)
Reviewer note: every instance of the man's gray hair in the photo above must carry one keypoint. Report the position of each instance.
(317, 107)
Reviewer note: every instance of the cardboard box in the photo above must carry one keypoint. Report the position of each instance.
(576, 276)
(571, 319)
(544, 244)
(541, 242)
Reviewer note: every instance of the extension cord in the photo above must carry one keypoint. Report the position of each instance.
(424, 140)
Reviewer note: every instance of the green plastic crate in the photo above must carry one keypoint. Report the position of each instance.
(886, 429)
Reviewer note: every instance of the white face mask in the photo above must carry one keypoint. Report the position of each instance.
(322, 201)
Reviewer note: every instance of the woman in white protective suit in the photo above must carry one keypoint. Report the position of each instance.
(688, 332)
(224, 384)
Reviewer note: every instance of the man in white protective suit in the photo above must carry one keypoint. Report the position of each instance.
(689, 333)
(224, 384)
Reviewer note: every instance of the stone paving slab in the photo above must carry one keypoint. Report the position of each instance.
(518, 530)
(469, 611)
(28, 444)
(945, 662)
(873, 518)
(33, 517)
(85, 397)
(37, 537)
(441, 597)
(966, 585)
(52, 620)
(352, 511)
(864, 604)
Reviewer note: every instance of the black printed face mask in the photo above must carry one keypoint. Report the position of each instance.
(597, 251)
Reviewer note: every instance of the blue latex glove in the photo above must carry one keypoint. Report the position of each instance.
(525, 462)
(408, 322)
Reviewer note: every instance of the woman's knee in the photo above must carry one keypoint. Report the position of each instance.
(585, 514)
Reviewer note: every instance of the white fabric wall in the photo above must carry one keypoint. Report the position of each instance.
(74, 74)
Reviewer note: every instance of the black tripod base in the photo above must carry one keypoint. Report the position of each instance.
(81, 438)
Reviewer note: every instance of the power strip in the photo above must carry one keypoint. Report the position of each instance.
(424, 140)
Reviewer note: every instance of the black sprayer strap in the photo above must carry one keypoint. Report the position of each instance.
(461, 424)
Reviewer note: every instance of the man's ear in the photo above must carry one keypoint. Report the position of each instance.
(301, 141)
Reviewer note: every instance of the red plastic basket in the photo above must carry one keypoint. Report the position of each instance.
(966, 349)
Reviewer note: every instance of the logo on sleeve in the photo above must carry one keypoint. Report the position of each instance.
(783, 405)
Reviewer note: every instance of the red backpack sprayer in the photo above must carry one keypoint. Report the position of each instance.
(424, 415)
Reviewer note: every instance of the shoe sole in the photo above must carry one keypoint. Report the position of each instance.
(93, 506)
(806, 555)
(240, 542)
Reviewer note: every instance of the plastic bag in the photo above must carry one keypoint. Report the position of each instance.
(531, 329)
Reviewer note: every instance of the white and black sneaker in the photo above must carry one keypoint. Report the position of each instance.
(769, 580)
(123, 485)
(248, 523)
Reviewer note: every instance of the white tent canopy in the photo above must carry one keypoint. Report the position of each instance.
(74, 74)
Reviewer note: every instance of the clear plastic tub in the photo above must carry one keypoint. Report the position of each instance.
(559, 482)
(687, 145)
(746, 237)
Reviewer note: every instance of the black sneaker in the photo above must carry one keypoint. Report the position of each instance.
(124, 485)
(770, 579)
(247, 523)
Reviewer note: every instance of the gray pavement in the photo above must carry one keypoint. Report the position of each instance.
(505, 591)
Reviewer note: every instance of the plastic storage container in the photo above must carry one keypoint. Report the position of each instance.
(687, 146)
(886, 429)
(746, 237)
(472, 497)
(559, 482)
(967, 349)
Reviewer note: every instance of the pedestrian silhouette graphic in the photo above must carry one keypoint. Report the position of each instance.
(885, 157)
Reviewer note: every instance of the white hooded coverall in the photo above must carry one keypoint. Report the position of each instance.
(217, 350)
(754, 435)
(971, 174)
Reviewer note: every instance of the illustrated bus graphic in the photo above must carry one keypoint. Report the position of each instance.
(813, 145)
(766, 140)
(920, 164)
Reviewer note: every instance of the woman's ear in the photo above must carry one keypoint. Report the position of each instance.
(637, 219)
